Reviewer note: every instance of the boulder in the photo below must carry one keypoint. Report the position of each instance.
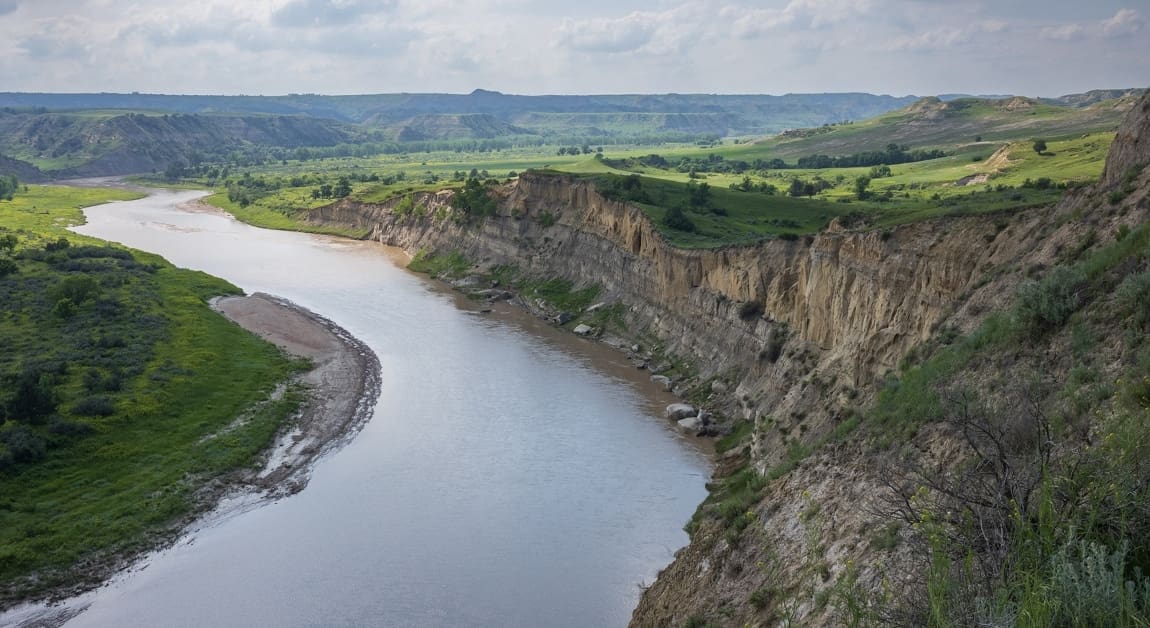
(689, 424)
(582, 330)
(562, 318)
(678, 411)
(663, 381)
(718, 387)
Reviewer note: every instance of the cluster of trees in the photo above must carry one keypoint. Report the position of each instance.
(247, 189)
(628, 188)
(713, 163)
(579, 150)
(342, 189)
(473, 199)
(475, 173)
(800, 187)
(8, 187)
(894, 154)
(749, 185)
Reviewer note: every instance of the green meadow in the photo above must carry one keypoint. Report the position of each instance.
(119, 389)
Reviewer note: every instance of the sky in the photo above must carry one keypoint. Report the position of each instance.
(898, 47)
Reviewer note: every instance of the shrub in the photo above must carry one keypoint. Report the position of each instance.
(1133, 296)
(96, 405)
(22, 445)
(751, 310)
(761, 597)
(776, 338)
(1090, 588)
(63, 427)
(677, 220)
(1047, 304)
(58, 245)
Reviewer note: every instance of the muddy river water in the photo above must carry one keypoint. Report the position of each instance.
(512, 475)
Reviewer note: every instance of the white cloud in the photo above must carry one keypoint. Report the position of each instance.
(1125, 22)
(312, 13)
(795, 15)
(1064, 32)
(944, 38)
(657, 33)
(608, 35)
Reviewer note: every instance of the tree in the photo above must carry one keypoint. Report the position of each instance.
(861, 184)
(1040, 146)
(8, 187)
(677, 220)
(698, 195)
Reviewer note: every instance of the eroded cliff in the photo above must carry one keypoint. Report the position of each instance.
(801, 333)
(796, 329)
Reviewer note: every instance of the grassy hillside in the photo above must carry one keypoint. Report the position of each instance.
(117, 382)
(756, 190)
(953, 125)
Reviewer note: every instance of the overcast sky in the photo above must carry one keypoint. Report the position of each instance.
(920, 47)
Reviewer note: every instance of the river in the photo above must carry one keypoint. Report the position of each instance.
(512, 475)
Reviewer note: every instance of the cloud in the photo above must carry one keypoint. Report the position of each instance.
(1065, 32)
(656, 33)
(64, 38)
(1125, 22)
(311, 13)
(624, 34)
(796, 15)
(9, 6)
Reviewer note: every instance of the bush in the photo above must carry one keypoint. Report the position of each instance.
(1046, 305)
(96, 405)
(77, 289)
(773, 348)
(677, 220)
(1089, 586)
(761, 597)
(1133, 296)
(34, 398)
(751, 310)
(63, 427)
(22, 445)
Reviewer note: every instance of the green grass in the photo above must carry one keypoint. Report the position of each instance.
(447, 265)
(183, 374)
(969, 131)
(285, 212)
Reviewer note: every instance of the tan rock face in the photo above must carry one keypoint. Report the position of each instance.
(849, 304)
(1131, 147)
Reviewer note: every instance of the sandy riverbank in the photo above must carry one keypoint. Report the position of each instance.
(343, 384)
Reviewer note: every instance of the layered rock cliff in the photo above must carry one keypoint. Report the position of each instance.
(829, 316)
(838, 309)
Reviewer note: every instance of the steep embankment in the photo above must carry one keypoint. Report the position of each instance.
(794, 328)
(800, 333)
